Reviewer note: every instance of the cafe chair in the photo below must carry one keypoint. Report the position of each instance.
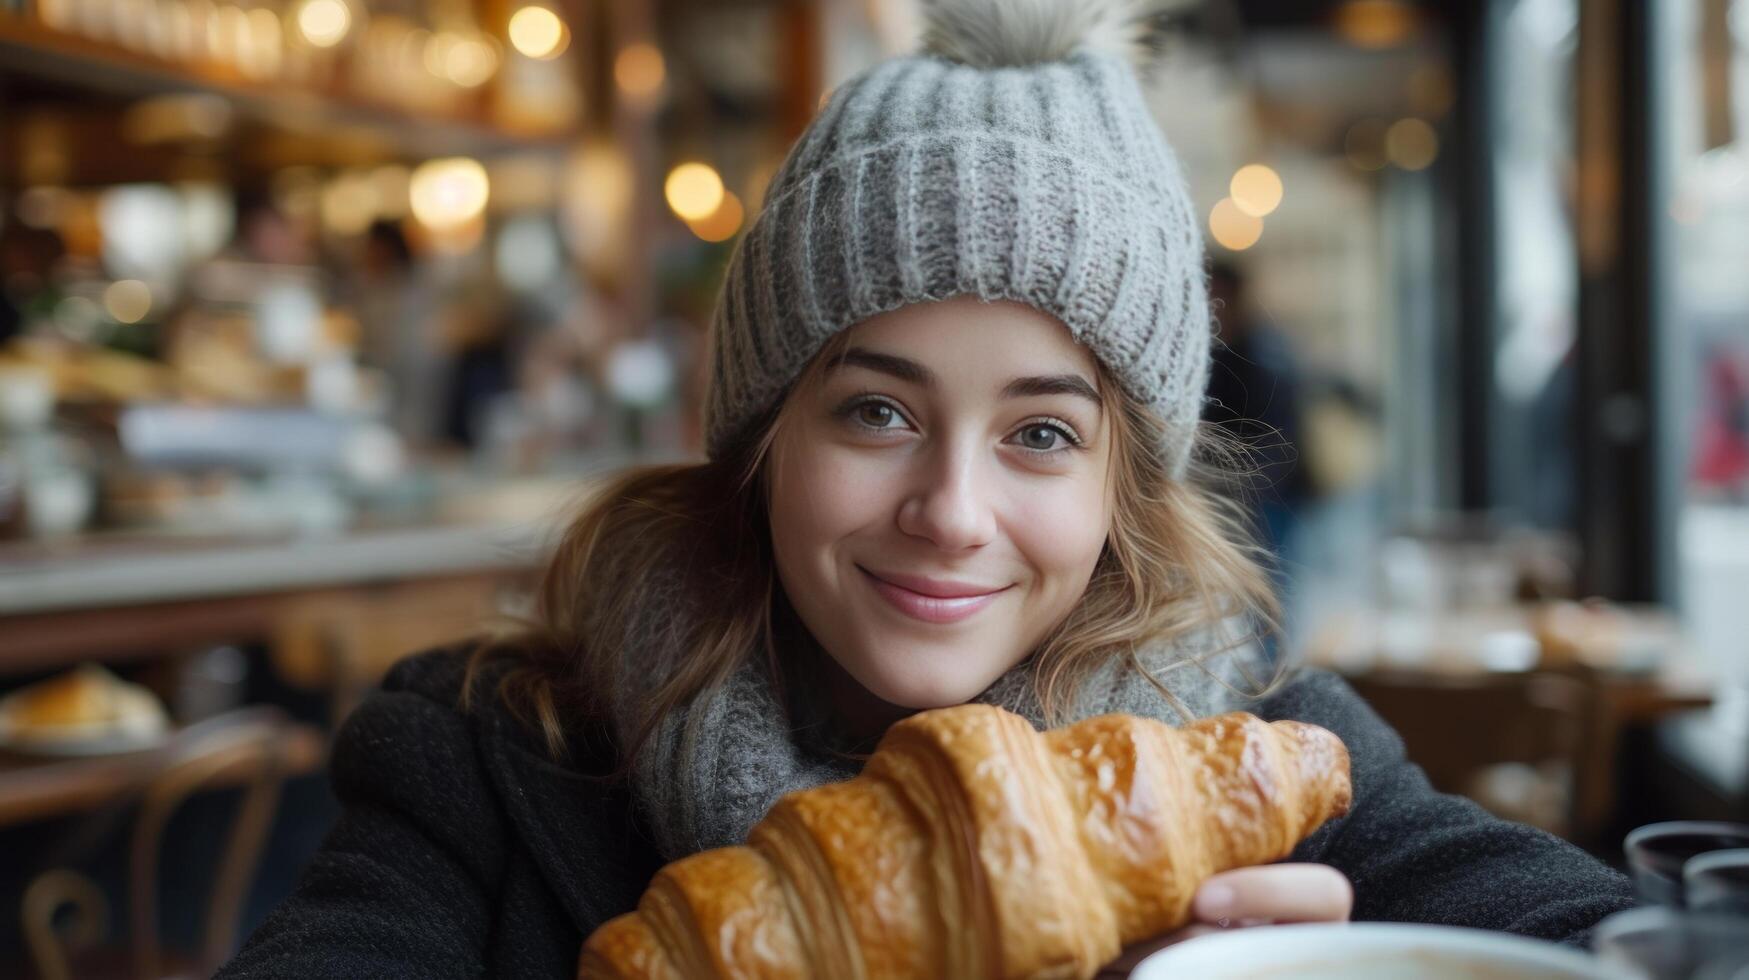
(344, 644)
(1513, 742)
(239, 748)
(44, 899)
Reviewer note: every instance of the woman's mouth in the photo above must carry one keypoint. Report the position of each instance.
(932, 600)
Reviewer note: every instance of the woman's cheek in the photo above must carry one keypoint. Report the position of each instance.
(845, 490)
(1061, 529)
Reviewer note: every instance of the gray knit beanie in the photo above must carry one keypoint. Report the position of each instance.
(1013, 158)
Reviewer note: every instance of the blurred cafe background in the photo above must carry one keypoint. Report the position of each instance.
(316, 316)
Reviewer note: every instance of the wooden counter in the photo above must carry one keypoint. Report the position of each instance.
(116, 601)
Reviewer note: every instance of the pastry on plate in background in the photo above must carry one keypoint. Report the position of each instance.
(86, 710)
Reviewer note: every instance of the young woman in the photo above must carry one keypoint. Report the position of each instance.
(953, 456)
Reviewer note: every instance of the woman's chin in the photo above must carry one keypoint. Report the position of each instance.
(921, 693)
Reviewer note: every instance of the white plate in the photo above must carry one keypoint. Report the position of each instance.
(1371, 951)
(113, 743)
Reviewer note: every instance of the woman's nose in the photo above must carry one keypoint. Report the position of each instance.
(950, 502)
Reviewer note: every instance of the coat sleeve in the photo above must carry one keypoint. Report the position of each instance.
(1417, 855)
(403, 884)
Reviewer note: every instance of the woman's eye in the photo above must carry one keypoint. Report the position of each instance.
(876, 415)
(870, 414)
(1041, 437)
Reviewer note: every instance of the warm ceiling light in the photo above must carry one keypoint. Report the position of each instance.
(1256, 189)
(538, 32)
(448, 193)
(694, 191)
(324, 22)
(1233, 228)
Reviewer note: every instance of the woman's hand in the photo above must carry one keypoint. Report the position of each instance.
(1263, 895)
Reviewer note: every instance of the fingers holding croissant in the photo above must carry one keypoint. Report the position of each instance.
(974, 846)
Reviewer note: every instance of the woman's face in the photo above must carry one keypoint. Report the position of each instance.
(940, 498)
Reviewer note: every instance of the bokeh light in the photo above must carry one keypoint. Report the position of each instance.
(324, 22)
(447, 194)
(1232, 227)
(722, 224)
(1256, 189)
(1411, 143)
(470, 61)
(694, 191)
(538, 32)
(128, 300)
(639, 70)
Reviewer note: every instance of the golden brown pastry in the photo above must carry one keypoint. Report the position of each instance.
(86, 695)
(973, 845)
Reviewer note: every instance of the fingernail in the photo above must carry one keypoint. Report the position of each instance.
(1214, 900)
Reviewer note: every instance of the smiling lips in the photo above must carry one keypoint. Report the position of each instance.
(932, 600)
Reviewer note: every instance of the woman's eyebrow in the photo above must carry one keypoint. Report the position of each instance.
(1054, 384)
(910, 371)
(899, 367)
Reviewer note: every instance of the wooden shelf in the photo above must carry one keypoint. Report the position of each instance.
(31, 51)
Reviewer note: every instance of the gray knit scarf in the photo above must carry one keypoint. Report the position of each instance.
(710, 791)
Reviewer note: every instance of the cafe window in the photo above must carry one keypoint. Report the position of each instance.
(1533, 370)
(1704, 153)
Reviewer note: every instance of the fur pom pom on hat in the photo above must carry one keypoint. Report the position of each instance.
(1012, 158)
(1001, 33)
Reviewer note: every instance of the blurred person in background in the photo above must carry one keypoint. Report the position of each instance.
(480, 364)
(954, 455)
(1721, 442)
(398, 307)
(1254, 394)
(1549, 497)
(266, 233)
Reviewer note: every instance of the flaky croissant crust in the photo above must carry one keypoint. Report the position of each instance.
(973, 845)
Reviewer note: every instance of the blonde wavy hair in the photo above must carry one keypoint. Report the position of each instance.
(1179, 564)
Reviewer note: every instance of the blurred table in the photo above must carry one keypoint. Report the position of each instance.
(1635, 672)
(1640, 655)
(35, 787)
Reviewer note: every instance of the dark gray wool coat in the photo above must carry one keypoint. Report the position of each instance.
(464, 852)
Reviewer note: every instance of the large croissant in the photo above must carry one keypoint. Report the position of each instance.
(973, 845)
